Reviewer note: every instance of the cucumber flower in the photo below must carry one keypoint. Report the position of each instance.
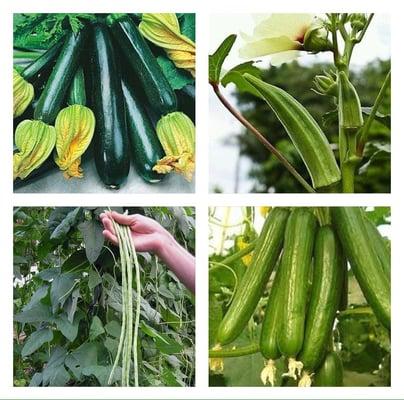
(285, 37)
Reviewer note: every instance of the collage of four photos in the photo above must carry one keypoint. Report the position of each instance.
(105, 295)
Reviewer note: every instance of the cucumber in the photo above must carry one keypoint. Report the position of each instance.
(303, 130)
(251, 287)
(364, 260)
(77, 91)
(296, 262)
(110, 137)
(325, 298)
(344, 301)
(143, 63)
(52, 97)
(43, 62)
(268, 339)
(331, 372)
(145, 146)
(379, 244)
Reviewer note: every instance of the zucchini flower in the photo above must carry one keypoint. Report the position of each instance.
(35, 141)
(176, 133)
(164, 31)
(74, 130)
(23, 93)
(216, 364)
(285, 37)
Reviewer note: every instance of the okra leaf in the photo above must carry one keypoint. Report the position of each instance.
(235, 75)
(378, 151)
(384, 119)
(178, 78)
(217, 58)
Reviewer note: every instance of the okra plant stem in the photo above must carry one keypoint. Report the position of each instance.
(261, 138)
(235, 352)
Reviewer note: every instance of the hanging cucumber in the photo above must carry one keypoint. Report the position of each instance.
(110, 139)
(325, 298)
(146, 149)
(296, 262)
(303, 130)
(51, 100)
(143, 63)
(254, 280)
(270, 325)
(331, 372)
(364, 260)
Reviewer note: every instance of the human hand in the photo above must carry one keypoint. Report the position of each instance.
(147, 234)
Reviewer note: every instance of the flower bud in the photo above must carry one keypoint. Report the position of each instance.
(358, 21)
(316, 38)
(35, 141)
(176, 133)
(326, 85)
(74, 130)
(23, 93)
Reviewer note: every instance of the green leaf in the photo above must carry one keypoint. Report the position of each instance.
(37, 313)
(163, 342)
(77, 261)
(69, 330)
(187, 25)
(379, 152)
(93, 238)
(36, 340)
(113, 328)
(82, 357)
(217, 58)
(235, 75)
(102, 373)
(379, 215)
(384, 119)
(63, 227)
(55, 374)
(94, 278)
(96, 328)
(60, 290)
(177, 77)
(38, 295)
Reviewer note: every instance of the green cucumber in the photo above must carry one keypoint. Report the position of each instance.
(51, 100)
(364, 260)
(328, 274)
(143, 63)
(77, 91)
(378, 242)
(331, 372)
(296, 262)
(43, 62)
(110, 137)
(145, 146)
(251, 287)
(304, 131)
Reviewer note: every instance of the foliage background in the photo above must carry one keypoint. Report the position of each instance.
(67, 301)
(363, 344)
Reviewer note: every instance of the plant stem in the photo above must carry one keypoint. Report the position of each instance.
(366, 128)
(261, 138)
(235, 352)
(235, 256)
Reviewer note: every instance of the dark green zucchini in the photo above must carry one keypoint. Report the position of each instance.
(364, 260)
(251, 287)
(77, 91)
(296, 262)
(143, 63)
(325, 298)
(51, 100)
(43, 62)
(186, 101)
(145, 146)
(331, 372)
(110, 137)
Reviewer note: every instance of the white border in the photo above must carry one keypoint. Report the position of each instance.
(201, 200)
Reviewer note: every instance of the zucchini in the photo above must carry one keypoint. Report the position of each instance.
(186, 101)
(268, 340)
(77, 91)
(43, 62)
(296, 262)
(379, 244)
(110, 137)
(303, 130)
(251, 287)
(51, 100)
(331, 372)
(143, 63)
(325, 298)
(364, 260)
(145, 146)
